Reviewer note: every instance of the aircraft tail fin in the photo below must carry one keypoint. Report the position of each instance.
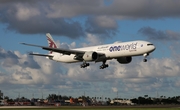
(51, 42)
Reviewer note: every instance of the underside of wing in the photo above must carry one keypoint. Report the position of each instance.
(78, 53)
(44, 55)
(64, 51)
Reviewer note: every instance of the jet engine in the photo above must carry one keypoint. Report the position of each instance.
(90, 56)
(124, 60)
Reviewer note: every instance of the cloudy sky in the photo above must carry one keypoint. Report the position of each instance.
(80, 23)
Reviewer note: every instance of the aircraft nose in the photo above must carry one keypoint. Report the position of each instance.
(153, 48)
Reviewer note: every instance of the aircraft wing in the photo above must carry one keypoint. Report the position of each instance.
(59, 50)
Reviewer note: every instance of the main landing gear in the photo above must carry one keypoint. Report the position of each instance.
(145, 57)
(84, 64)
(104, 65)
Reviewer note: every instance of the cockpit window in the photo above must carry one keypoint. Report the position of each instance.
(149, 44)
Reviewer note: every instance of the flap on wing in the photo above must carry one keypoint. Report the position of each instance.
(45, 55)
(64, 51)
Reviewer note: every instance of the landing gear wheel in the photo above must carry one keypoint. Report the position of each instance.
(100, 67)
(106, 65)
(84, 65)
(145, 60)
(103, 65)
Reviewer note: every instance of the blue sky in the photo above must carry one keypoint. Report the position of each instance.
(84, 23)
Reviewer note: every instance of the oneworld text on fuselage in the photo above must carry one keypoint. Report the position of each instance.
(130, 47)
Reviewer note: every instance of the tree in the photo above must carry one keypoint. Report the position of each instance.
(6, 97)
(134, 101)
(1, 95)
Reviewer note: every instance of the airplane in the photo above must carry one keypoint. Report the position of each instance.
(122, 52)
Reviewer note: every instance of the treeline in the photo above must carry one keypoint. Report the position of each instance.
(161, 100)
(138, 101)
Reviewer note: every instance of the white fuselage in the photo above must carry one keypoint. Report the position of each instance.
(115, 50)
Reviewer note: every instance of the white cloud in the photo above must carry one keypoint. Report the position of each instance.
(114, 89)
(105, 21)
(92, 40)
(26, 12)
(65, 45)
(177, 82)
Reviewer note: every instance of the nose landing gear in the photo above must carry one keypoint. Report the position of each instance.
(144, 60)
(145, 57)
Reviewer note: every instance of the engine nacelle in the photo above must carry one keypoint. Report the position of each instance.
(90, 56)
(124, 60)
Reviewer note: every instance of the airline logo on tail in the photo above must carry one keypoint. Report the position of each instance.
(51, 42)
